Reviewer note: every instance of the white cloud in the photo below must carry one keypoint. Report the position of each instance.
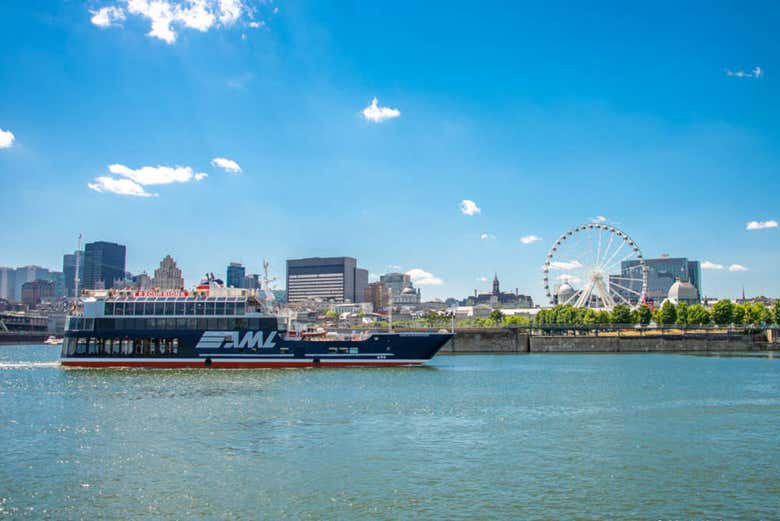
(756, 72)
(424, 278)
(132, 181)
(119, 186)
(760, 225)
(530, 239)
(230, 11)
(564, 265)
(737, 267)
(154, 175)
(165, 16)
(707, 265)
(256, 25)
(379, 114)
(486, 236)
(599, 219)
(393, 267)
(6, 138)
(106, 16)
(227, 164)
(469, 207)
(571, 279)
(482, 279)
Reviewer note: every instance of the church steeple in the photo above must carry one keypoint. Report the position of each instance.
(495, 285)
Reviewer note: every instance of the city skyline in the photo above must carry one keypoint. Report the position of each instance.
(282, 135)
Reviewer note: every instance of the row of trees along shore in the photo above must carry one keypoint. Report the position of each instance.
(723, 313)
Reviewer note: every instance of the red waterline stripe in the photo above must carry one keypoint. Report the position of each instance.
(234, 365)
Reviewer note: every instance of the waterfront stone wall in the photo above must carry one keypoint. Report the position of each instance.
(680, 344)
(488, 340)
(508, 340)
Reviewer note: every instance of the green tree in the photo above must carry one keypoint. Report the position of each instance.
(602, 317)
(777, 312)
(698, 315)
(667, 314)
(431, 319)
(757, 314)
(516, 320)
(738, 314)
(682, 314)
(621, 314)
(644, 315)
(589, 318)
(566, 315)
(723, 312)
(331, 314)
(496, 316)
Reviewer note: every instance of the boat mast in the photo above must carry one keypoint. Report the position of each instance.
(76, 279)
(390, 316)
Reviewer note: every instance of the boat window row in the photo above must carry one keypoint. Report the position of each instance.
(120, 346)
(210, 323)
(80, 324)
(175, 307)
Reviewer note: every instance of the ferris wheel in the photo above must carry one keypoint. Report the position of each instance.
(595, 265)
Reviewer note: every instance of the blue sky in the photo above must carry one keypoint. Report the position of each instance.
(544, 115)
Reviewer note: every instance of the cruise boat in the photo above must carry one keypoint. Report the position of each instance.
(220, 327)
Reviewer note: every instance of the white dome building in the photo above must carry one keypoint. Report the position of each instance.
(564, 292)
(683, 291)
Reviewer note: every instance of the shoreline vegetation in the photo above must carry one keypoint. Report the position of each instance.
(723, 317)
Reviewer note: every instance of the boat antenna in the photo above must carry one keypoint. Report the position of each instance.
(76, 279)
(267, 280)
(390, 315)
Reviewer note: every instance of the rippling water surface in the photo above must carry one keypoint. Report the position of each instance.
(472, 437)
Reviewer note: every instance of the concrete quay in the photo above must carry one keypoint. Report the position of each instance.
(513, 340)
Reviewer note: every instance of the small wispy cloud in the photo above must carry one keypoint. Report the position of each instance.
(708, 265)
(487, 236)
(7, 138)
(107, 16)
(469, 207)
(760, 225)
(482, 279)
(599, 219)
(737, 267)
(566, 265)
(755, 72)
(530, 239)
(421, 277)
(106, 184)
(378, 114)
(155, 175)
(226, 164)
(132, 181)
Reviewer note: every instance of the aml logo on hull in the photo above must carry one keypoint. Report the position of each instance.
(229, 340)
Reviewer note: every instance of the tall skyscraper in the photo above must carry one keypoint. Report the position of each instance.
(7, 284)
(69, 270)
(235, 275)
(104, 262)
(361, 283)
(168, 275)
(325, 278)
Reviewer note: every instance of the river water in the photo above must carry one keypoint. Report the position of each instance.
(471, 437)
